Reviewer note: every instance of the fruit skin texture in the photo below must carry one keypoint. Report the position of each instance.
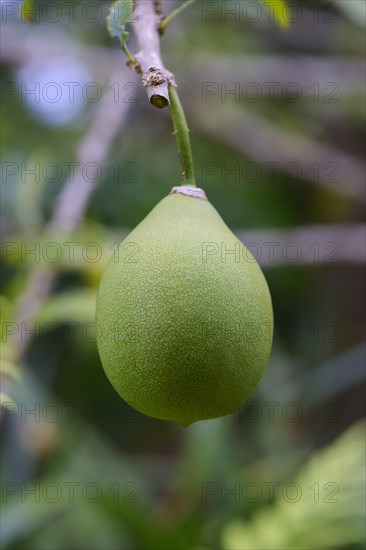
(184, 326)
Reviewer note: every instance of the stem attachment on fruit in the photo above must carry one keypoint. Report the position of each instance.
(194, 192)
(181, 132)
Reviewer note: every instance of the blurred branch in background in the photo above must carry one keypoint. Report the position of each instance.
(71, 204)
(265, 141)
(337, 369)
(317, 244)
(94, 147)
(347, 73)
(276, 71)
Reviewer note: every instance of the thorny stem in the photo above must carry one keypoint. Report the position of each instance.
(169, 18)
(181, 132)
(159, 82)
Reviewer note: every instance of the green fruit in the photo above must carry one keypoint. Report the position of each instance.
(184, 314)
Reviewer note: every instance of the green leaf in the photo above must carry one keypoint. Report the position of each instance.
(10, 369)
(9, 376)
(7, 353)
(27, 10)
(120, 13)
(29, 197)
(77, 305)
(279, 10)
(354, 10)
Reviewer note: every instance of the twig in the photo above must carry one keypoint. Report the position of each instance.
(169, 18)
(93, 148)
(155, 77)
(160, 83)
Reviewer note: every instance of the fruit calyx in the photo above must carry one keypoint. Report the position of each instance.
(188, 191)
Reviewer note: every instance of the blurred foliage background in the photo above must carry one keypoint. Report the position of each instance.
(277, 113)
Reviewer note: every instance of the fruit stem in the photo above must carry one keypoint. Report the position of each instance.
(181, 132)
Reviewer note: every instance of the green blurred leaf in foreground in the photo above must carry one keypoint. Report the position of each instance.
(329, 509)
(27, 10)
(279, 10)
